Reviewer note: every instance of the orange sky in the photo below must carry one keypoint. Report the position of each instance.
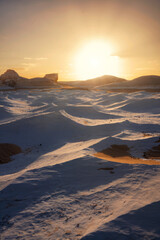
(44, 36)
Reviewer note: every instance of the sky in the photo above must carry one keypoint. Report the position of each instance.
(80, 39)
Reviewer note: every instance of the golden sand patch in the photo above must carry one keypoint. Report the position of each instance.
(7, 150)
(121, 154)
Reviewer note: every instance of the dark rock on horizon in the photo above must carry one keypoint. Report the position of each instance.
(52, 76)
(9, 75)
(12, 79)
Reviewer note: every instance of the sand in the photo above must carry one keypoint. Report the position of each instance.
(56, 188)
(121, 154)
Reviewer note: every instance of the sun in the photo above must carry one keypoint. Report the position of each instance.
(95, 59)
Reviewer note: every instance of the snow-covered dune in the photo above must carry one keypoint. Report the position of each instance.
(56, 188)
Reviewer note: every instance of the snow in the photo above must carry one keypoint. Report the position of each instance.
(57, 188)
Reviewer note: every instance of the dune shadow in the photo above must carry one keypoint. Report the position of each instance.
(67, 179)
(138, 225)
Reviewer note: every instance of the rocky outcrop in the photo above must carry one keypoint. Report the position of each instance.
(12, 79)
(9, 75)
(7, 150)
(52, 76)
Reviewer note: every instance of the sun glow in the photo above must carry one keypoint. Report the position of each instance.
(95, 59)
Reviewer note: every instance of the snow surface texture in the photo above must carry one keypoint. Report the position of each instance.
(56, 189)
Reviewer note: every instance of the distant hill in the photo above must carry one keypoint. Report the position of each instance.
(150, 80)
(143, 82)
(103, 80)
(95, 82)
(108, 82)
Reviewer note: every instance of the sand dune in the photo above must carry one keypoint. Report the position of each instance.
(72, 179)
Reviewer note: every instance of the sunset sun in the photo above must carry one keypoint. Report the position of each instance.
(95, 59)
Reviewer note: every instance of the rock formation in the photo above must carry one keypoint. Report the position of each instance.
(52, 76)
(9, 75)
(12, 79)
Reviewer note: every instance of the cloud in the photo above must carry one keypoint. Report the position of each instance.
(36, 59)
(29, 64)
(41, 59)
